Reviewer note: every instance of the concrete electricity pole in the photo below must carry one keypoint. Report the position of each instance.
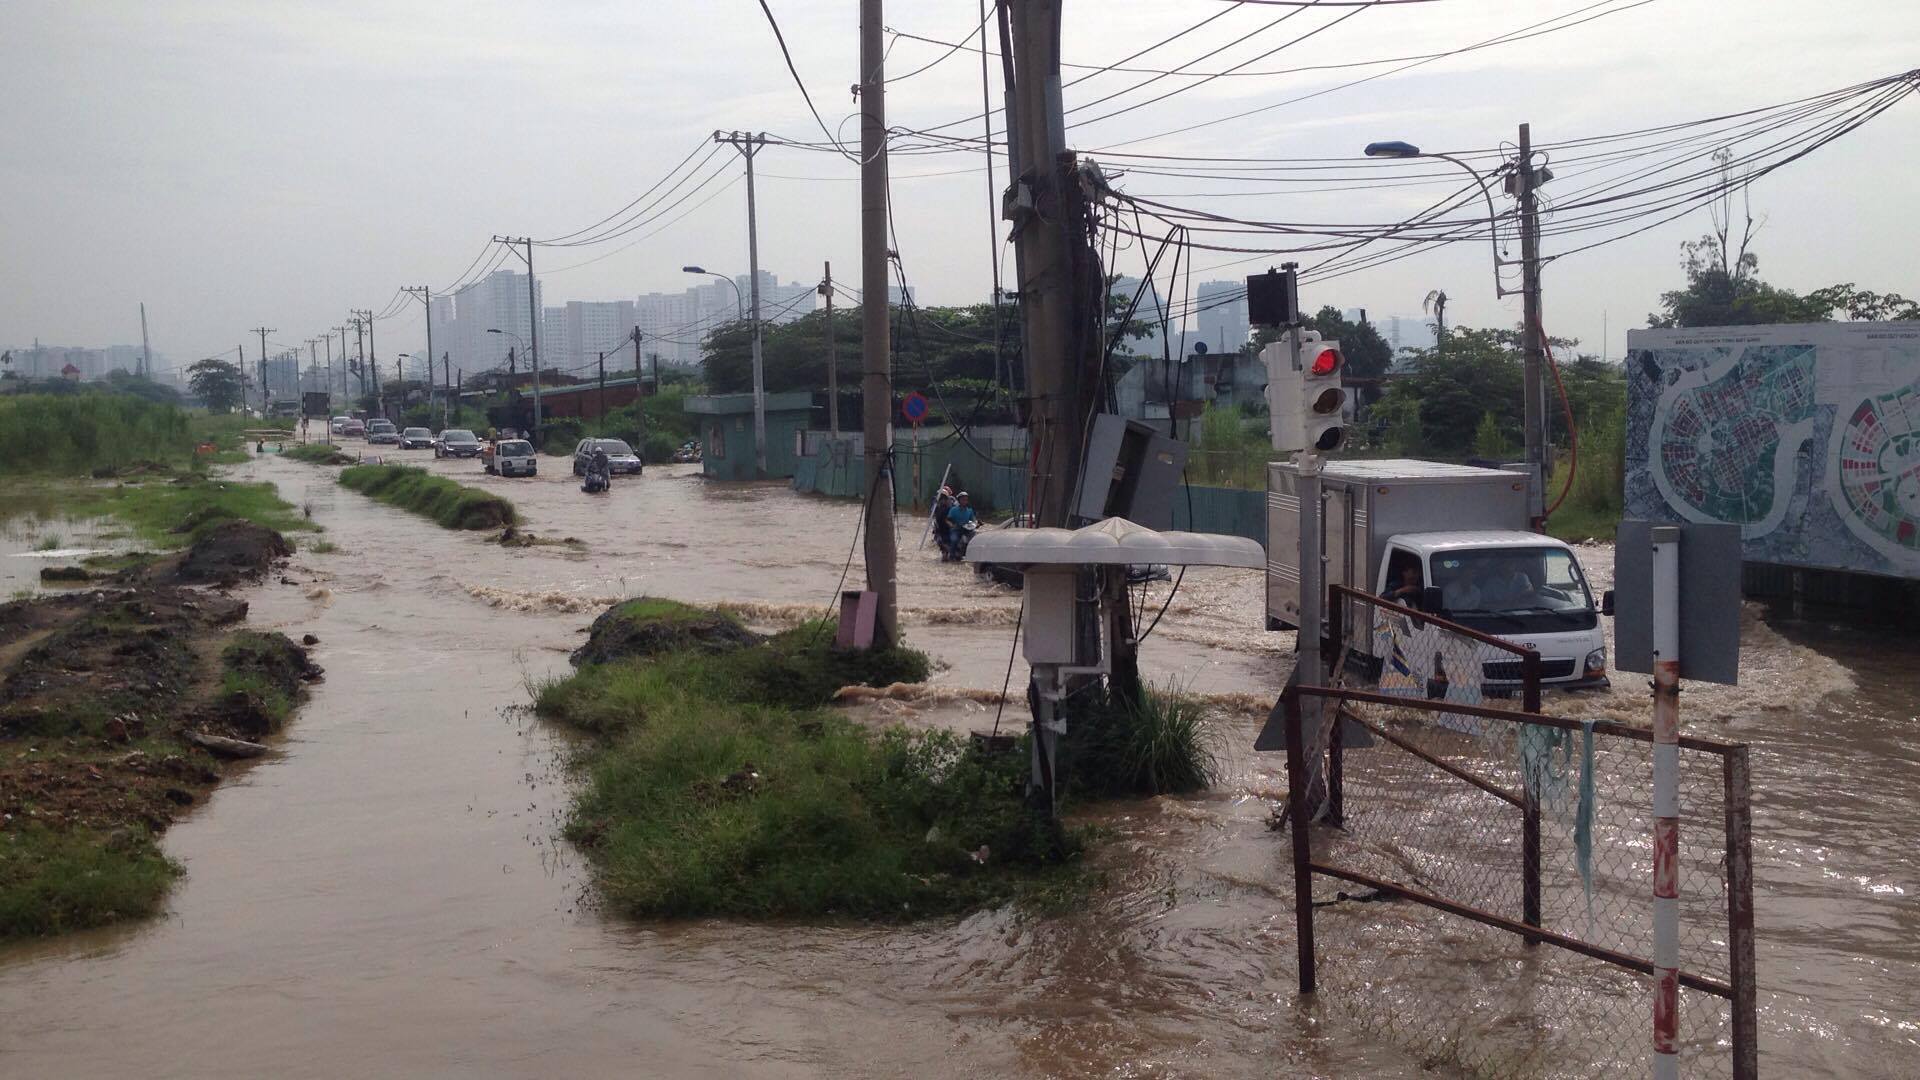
(426, 301)
(833, 360)
(1050, 229)
(360, 352)
(876, 360)
(749, 145)
(1533, 334)
(533, 323)
(263, 331)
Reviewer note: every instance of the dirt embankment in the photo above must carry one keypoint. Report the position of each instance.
(116, 707)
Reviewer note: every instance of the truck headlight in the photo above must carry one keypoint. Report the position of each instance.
(1597, 660)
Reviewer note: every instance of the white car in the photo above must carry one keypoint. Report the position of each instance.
(511, 457)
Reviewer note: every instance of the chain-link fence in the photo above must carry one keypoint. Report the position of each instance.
(1513, 856)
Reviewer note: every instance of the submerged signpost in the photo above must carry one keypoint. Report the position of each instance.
(1677, 590)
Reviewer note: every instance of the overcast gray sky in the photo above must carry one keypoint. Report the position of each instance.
(237, 164)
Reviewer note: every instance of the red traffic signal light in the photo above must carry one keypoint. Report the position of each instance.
(1327, 361)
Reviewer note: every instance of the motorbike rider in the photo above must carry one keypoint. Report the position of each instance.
(960, 517)
(599, 471)
(942, 531)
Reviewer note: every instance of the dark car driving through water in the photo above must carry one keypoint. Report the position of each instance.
(416, 438)
(457, 442)
(620, 456)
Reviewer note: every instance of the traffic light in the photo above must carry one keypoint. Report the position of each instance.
(1306, 402)
(1322, 420)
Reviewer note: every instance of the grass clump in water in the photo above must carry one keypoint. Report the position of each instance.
(454, 506)
(1161, 745)
(318, 454)
(721, 785)
(52, 881)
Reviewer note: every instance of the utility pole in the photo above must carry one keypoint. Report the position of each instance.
(875, 346)
(425, 296)
(833, 360)
(533, 323)
(263, 331)
(1525, 182)
(639, 388)
(749, 144)
(146, 350)
(600, 395)
(346, 394)
(447, 400)
(1050, 233)
(360, 352)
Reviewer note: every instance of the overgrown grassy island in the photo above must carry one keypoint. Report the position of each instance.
(453, 505)
(720, 782)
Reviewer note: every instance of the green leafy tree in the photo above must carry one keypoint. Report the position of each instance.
(218, 383)
(125, 382)
(1490, 440)
(1863, 304)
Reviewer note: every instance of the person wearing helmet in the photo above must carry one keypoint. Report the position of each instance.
(960, 521)
(942, 533)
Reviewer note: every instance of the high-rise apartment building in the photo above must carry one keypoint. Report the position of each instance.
(1221, 319)
(498, 301)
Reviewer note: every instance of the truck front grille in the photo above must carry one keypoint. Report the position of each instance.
(1513, 670)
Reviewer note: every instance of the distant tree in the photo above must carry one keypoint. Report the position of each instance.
(1396, 426)
(1864, 305)
(122, 381)
(1452, 391)
(1490, 440)
(218, 383)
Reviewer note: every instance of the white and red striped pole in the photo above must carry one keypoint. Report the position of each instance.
(1666, 800)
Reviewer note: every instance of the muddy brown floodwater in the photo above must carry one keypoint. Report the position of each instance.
(386, 897)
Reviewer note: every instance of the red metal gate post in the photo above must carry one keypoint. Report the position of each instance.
(1740, 973)
(1298, 813)
(1530, 805)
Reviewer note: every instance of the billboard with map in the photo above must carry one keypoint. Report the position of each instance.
(1806, 436)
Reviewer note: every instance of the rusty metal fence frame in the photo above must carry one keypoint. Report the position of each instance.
(1316, 786)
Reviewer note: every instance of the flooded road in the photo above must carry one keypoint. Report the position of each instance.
(386, 896)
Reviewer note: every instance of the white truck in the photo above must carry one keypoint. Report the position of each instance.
(1453, 541)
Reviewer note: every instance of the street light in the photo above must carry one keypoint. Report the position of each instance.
(739, 305)
(1398, 148)
(759, 371)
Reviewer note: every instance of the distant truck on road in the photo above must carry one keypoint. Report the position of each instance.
(1455, 538)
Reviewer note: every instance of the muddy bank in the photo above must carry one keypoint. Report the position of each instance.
(109, 700)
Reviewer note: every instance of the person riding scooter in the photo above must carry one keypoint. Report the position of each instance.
(942, 532)
(599, 473)
(961, 522)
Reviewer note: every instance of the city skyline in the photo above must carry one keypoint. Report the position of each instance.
(305, 215)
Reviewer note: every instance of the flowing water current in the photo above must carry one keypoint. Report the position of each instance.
(386, 896)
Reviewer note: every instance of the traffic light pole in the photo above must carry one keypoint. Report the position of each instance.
(1313, 586)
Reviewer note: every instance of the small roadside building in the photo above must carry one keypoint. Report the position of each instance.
(726, 433)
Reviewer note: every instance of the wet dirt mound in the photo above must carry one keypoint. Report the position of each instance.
(650, 627)
(262, 675)
(96, 664)
(226, 553)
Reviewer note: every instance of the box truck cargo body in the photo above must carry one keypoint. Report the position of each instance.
(1461, 532)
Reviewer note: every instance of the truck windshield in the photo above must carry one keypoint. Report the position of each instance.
(1512, 590)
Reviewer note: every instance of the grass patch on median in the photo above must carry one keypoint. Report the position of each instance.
(318, 454)
(719, 783)
(452, 505)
